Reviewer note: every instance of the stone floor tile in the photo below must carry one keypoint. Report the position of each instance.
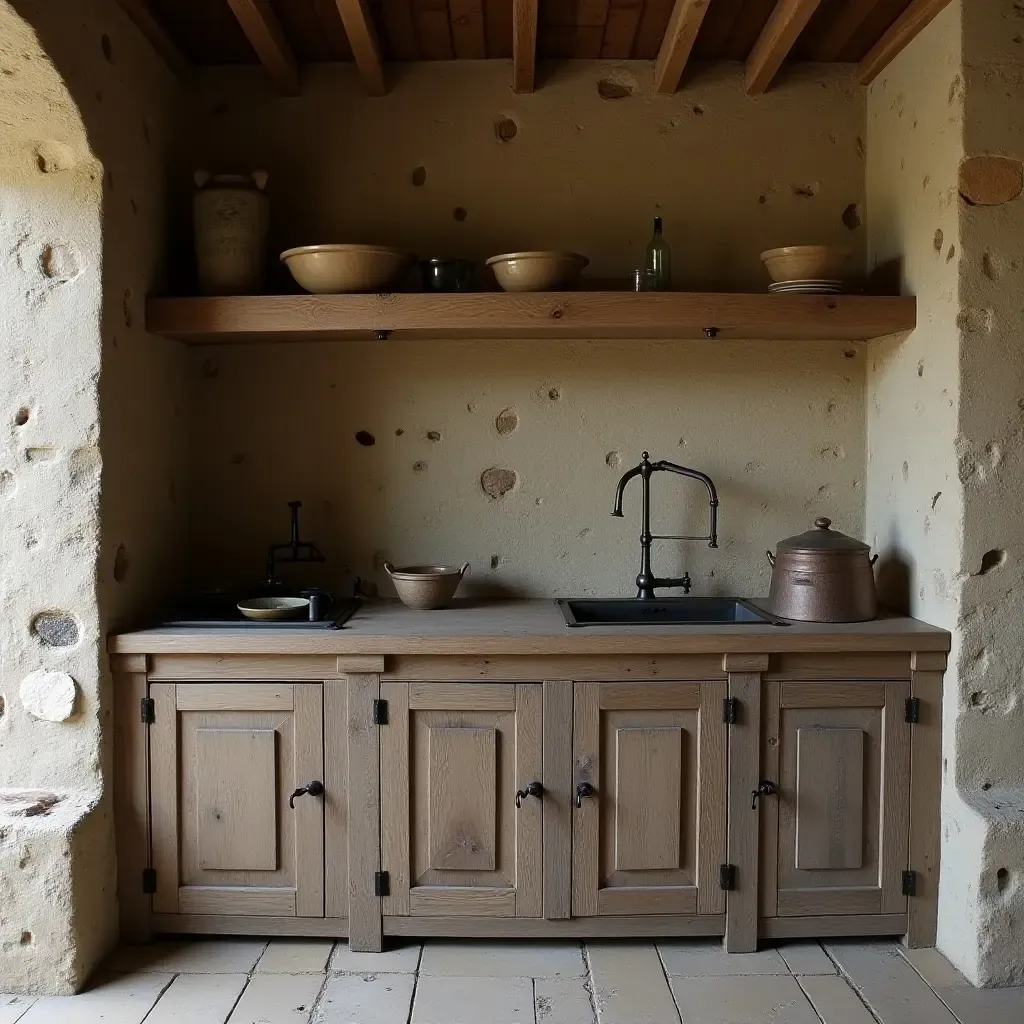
(502, 960)
(806, 958)
(893, 990)
(111, 999)
(189, 956)
(563, 1001)
(934, 967)
(400, 960)
(295, 956)
(835, 1001)
(366, 999)
(983, 1005)
(708, 958)
(277, 999)
(198, 999)
(629, 984)
(731, 999)
(462, 1000)
(12, 1008)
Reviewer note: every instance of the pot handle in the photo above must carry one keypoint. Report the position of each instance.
(464, 569)
(771, 559)
(874, 558)
(389, 568)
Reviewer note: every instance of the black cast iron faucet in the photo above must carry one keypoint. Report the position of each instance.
(646, 581)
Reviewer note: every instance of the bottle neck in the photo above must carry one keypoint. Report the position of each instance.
(657, 227)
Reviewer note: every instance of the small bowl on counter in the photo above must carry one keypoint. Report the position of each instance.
(345, 269)
(447, 275)
(274, 609)
(541, 271)
(425, 587)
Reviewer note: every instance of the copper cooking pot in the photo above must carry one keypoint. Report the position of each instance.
(822, 576)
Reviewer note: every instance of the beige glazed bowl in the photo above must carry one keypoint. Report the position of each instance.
(337, 269)
(807, 262)
(426, 586)
(537, 271)
(267, 609)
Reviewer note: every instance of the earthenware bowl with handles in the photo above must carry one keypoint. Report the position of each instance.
(345, 269)
(541, 271)
(426, 586)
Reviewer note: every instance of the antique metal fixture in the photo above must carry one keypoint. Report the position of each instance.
(765, 788)
(646, 581)
(583, 789)
(314, 788)
(295, 550)
(532, 789)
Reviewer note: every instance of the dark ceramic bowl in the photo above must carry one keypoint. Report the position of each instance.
(441, 275)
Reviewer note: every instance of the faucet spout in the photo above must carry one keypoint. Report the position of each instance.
(620, 490)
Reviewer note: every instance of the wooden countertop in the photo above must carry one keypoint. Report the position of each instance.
(531, 627)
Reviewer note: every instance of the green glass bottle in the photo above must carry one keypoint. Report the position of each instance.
(659, 259)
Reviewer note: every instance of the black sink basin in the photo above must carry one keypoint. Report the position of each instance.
(671, 611)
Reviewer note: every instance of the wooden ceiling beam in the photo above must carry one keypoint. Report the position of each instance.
(263, 30)
(158, 36)
(899, 35)
(524, 45)
(787, 21)
(362, 37)
(676, 47)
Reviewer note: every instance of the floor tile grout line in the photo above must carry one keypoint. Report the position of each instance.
(318, 999)
(590, 986)
(814, 1009)
(163, 991)
(931, 987)
(664, 972)
(852, 985)
(415, 988)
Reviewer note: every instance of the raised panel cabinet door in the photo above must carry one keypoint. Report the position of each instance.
(453, 758)
(224, 761)
(838, 827)
(649, 824)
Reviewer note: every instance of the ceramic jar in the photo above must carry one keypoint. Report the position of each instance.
(231, 216)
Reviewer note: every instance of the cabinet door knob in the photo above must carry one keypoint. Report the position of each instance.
(582, 790)
(766, 788)
(533, 789)
(314, 788)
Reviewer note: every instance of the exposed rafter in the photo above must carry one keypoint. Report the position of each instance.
(681, 34)
(154, 30)
(906, 28)
(362, 37)
(787, 21)
(524, 44)
(261, 27)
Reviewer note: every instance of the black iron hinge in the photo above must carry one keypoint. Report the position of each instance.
(913, 711)
(148, 711)
(729, 705)
(149, 880)
(380, 712)
(727, 876)
(381, 883)
(909, 883)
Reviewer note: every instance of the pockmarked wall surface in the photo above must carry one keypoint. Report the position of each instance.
(86, 539)
(945, 429)
(506, 453)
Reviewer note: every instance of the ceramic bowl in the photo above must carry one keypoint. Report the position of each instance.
(268, 609)
(537, 271)
(337, 269)
(426, 586)
(444, 275)
(807, 262)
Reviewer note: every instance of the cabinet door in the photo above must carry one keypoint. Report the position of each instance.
(837, 832)
(453, 756)
(651, 836)
(224, 760)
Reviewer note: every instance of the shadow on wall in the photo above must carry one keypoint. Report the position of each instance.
(893, 582)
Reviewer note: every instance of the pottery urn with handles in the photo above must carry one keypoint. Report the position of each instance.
(822, 576)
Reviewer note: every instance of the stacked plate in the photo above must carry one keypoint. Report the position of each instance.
(807, 287)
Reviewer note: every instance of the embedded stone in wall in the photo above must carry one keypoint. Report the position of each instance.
(55, 629)
(48, 695)
(497, 482)
(990, 180)
(26, 803)
(52, 156)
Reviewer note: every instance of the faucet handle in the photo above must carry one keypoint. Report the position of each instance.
(645, 457)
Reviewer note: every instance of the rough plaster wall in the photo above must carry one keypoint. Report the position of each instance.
(728, 174)
(85, 109)
(944, 434)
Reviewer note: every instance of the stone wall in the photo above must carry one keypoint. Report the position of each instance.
(450, 162)
(88, 540)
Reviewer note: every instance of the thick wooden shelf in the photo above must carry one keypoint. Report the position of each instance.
(271, 318)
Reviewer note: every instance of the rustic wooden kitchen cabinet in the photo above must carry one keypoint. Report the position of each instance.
(640, 783)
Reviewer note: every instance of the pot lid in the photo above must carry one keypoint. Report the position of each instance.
(824, 539)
